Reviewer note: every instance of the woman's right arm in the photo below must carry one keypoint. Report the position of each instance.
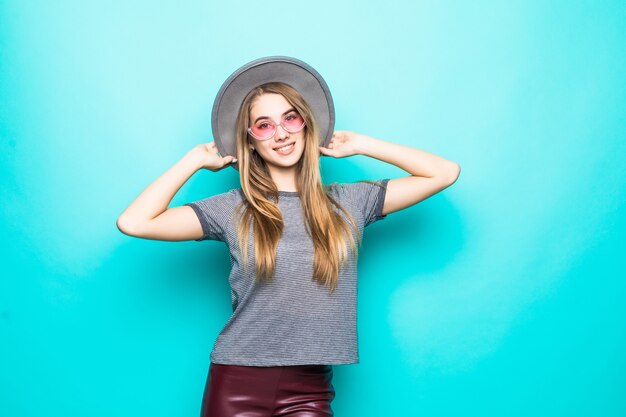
(148, 216)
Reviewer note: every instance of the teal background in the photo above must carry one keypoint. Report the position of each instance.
(501, 296)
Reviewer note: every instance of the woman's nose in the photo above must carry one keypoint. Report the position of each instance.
(281, 133)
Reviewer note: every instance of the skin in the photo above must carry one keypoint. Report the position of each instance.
(149, 217)
(282, 167)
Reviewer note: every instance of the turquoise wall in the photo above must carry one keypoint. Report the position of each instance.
(501, 296)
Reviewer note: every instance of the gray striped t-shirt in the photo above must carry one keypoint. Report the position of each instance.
(291, 320)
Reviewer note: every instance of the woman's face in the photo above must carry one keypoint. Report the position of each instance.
(284, 149)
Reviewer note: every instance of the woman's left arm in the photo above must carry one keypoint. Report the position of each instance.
(430, 173)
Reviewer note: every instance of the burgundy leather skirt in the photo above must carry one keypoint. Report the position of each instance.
(274, 391)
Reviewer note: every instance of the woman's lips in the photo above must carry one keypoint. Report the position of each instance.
(285, 149)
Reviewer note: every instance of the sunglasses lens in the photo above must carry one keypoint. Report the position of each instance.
(293, 122)
(263, 129)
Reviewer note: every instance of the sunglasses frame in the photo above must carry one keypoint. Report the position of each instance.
(276, 128)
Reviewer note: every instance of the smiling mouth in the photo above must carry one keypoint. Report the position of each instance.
(285, 148)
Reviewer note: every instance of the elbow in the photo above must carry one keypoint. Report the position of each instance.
(453, 173)
(121, 225)
(126, 226)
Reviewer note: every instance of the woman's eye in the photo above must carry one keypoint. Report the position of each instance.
(264, 125)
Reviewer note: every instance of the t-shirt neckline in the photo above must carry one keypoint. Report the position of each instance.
(288, 193)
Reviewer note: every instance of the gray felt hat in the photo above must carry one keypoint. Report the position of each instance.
(299, 75)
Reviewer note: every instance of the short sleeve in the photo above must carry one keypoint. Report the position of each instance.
(367, 197)
(215, 214)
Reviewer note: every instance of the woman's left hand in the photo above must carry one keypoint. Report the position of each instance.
(343, 143)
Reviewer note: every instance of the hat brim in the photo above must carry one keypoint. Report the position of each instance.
(299, 75)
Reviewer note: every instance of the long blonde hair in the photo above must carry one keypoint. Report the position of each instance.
(331, 235)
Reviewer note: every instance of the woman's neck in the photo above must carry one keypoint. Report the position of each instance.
(284, 178)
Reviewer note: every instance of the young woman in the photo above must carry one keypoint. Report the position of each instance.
(293, 243)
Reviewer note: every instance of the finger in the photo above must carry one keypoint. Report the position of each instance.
(327, 151)
(225, 160)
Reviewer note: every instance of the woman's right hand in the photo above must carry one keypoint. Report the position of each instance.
(208, 157)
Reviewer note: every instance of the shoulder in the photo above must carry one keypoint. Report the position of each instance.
(365, 199)
(222, 201)
(356, 190)
(215, 213)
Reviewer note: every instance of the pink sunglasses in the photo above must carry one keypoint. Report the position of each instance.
(265, 129)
